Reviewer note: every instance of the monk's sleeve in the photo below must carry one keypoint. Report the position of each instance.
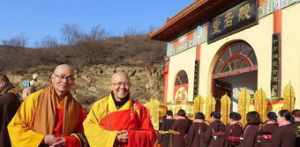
(77, 139)
(96, 135)
(144, 136)
(19, 129)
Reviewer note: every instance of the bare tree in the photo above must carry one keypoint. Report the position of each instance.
(96, 33)
(72, 33)
(132, 31)
(49, 42)
(16, 41)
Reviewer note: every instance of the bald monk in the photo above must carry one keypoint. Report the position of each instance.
(50, 116)
(118, 120)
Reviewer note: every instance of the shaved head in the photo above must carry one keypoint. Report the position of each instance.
(120, 85)
(61, 67)
(117, 75)
(62, 79)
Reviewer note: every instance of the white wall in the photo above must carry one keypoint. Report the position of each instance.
(183, 61)
(291, 49)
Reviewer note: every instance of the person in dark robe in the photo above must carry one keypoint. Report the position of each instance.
(214, 136)
(9, 103)
(234, 130)
(196, 134)
(180, 127)
(251, 129)
(266, 131)
(165, 125)
(285, 135)
(296, 115)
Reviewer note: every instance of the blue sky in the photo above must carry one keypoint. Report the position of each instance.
(36, 19)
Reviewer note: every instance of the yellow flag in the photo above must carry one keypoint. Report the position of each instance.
(243, 104)
(289, 97)
(261, 104)
(198, 104)
(225, 108)
(210, 106)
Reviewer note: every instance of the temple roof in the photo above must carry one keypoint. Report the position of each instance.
(199, 12)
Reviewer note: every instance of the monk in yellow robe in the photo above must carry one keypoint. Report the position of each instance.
(49, 117)
(118, 120)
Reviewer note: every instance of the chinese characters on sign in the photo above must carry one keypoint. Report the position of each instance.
(276, 66)
(196, 78)
(236, 18)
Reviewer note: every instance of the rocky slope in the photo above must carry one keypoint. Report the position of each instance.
(93, 82)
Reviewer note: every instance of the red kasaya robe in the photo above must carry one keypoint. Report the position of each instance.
(71, 141)
(105, 120)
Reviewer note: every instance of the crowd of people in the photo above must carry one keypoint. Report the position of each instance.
(51, 117)
(282, 130)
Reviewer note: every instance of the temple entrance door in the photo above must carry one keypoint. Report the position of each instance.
(235, 68)
(221, 88)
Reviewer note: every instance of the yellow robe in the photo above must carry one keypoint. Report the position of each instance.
(22, 128)
(96, 134)
(20, 132)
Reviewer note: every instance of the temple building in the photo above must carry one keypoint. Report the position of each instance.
(218, 47)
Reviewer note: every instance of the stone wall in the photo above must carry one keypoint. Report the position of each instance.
(93, 82)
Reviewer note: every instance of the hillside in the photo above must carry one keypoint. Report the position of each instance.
(127, 50)
(95, 62)
(93, 82)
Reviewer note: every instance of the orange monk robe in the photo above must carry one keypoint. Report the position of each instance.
(71, 141)
(21, 130)
(105, 120)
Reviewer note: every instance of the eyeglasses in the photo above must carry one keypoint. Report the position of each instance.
(67, 78)
(121, 83)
